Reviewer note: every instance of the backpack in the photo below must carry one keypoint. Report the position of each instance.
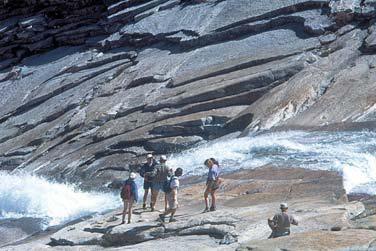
(167, 185)
(126, 191)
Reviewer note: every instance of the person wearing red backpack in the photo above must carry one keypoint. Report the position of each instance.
(129, 194)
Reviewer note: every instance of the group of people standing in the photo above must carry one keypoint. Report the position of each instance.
(158, 177)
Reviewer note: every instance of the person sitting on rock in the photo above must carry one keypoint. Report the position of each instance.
(146, 169)
(159, 176)
(280, 224)
(212, 184)
(129, 194)
(172, 195)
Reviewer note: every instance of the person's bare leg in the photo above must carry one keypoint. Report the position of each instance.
(125, 204)
(145, 196)
(130, 204)
(206, 195)
(163, 215)
(168, 211)
(173, 211)
(154, 197)
(214, 200)
(165, 202)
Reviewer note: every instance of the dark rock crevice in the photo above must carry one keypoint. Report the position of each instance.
(171, 40)
(227, 70)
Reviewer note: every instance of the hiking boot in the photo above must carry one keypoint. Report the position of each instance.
(152, 209)
(212, 209)
(206, 210)
(162, 217)
(122, 222)
(129, 222)
(172, 220)
(144, 206)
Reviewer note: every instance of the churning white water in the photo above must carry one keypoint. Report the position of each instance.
(24, 195)
(351, 153)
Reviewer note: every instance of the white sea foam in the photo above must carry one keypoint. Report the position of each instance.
(24, 195)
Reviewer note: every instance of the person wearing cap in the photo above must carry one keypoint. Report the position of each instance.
(280, 224)
(129, 194)
(159, 176)
(145, 170)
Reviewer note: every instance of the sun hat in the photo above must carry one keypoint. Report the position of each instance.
(283, 206)
(163, 157)
(132, 175)
(149, 156)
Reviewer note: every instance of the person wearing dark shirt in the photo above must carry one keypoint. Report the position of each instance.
(145, 170)
(281, 222)
(159, 177)
(129, 194)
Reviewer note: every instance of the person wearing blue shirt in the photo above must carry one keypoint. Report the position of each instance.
(212, 184)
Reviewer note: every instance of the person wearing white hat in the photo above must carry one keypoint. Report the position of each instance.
(145, 170)
(159, 177)
(281, 222)
(129, 194)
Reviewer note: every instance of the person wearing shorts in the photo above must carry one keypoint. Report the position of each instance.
(159, 176)
(145, 170)
(172, 196)
(212, 184)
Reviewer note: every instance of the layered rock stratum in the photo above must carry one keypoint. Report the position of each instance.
(88, 87)
(94, 85)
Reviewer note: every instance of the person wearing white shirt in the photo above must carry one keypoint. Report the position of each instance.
(172, 196)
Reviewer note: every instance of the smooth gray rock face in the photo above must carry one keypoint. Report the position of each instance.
(88, 87)
(327, 39)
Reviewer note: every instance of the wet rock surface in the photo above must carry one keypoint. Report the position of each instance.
(327, 221)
